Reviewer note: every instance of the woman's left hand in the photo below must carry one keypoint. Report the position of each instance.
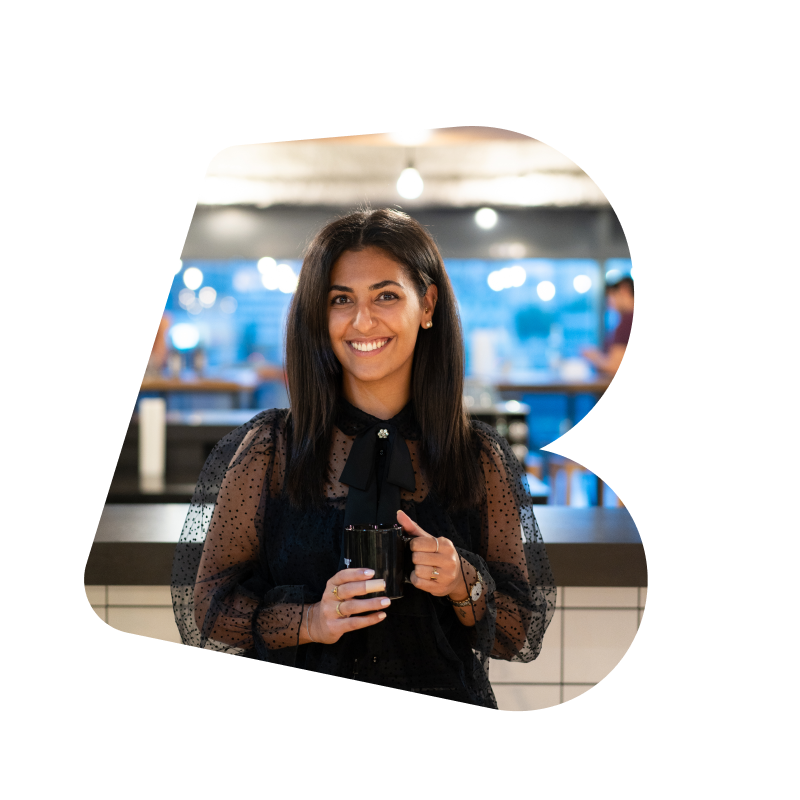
(437, 565)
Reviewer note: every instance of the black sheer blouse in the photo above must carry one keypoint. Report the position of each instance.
(248, 560)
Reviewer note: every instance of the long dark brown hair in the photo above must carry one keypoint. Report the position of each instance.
(437, 378)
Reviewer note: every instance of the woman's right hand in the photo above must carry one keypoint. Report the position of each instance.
(326, 625)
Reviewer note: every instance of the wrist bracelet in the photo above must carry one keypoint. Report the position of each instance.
(308, 630)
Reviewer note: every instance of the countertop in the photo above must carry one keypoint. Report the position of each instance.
(134, 545)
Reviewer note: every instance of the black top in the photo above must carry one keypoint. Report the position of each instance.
(248, 560)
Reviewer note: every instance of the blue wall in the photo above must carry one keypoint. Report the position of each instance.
(528, 332)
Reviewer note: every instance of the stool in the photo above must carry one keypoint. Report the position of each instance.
(534, 464)
(556, 464)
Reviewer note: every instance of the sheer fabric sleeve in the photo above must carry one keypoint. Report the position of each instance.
(222, 592)
(519, 585)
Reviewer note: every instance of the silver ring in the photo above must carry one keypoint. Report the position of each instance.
(437, 545)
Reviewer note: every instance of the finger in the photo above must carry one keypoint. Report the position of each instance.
(424, 544)
(409, 526)
(356, 588)
(432, 587)
(432, 573)
(432, 559)
(348, 575)
(351, 607)
(354, 623)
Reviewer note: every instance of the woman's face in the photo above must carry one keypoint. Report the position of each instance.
(375, 316)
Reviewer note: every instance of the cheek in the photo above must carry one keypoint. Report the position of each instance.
(335, 328)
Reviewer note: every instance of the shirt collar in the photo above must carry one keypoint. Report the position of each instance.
(352, 420)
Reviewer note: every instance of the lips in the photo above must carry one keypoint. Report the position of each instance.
(371, 346)
(386, 342)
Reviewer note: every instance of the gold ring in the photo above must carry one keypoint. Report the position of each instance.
(339, 613)
(435, 575)
(336, 592)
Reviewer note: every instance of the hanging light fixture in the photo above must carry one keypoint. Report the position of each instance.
(410, 183)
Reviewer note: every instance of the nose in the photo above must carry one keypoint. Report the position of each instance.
(363, 321)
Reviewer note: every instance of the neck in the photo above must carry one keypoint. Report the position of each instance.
(376, 406)
(381, 399)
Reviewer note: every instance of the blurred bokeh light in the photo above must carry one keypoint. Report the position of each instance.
(193, 278)
(486, 218)
(582, 283)
(207, 296)
(546, 290)
(184, 336)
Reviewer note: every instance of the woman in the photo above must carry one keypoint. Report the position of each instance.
(376, 433)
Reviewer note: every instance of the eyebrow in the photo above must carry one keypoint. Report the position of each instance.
(337, 288)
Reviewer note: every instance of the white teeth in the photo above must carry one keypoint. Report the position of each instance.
(366, 348)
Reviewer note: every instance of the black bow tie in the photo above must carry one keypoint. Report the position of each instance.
(363, 505)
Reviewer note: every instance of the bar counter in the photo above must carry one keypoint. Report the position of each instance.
(134, 545)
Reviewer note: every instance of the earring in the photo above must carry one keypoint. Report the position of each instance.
(429, 325)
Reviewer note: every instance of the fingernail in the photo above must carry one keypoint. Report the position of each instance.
(381, 615)
(385, 601)
(369, 572)
(377, 585)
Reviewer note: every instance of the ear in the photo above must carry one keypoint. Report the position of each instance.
(431, 296)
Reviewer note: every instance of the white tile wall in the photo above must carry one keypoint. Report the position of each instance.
(544, 669)
(157, 623)
(597, 624)
(527, 698)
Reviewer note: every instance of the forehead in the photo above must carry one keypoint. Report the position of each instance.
(366, 267)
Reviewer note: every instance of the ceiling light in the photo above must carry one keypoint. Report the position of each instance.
(486, 218)
(409, 184)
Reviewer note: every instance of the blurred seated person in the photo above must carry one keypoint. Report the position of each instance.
(619, 297)
(160, 351)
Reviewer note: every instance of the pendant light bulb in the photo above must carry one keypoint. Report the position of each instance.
(409, 184)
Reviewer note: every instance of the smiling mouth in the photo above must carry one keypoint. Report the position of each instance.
(369, 347)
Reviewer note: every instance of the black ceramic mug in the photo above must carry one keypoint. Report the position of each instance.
(384, 549)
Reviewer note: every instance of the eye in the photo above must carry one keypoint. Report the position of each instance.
(340, 300)
(382, 294)
(387, 296)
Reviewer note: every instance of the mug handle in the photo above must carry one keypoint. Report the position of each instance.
(408, 564)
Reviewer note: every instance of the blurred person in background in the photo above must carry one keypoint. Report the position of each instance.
(160, 351)
(619, 296)
(376, 434)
